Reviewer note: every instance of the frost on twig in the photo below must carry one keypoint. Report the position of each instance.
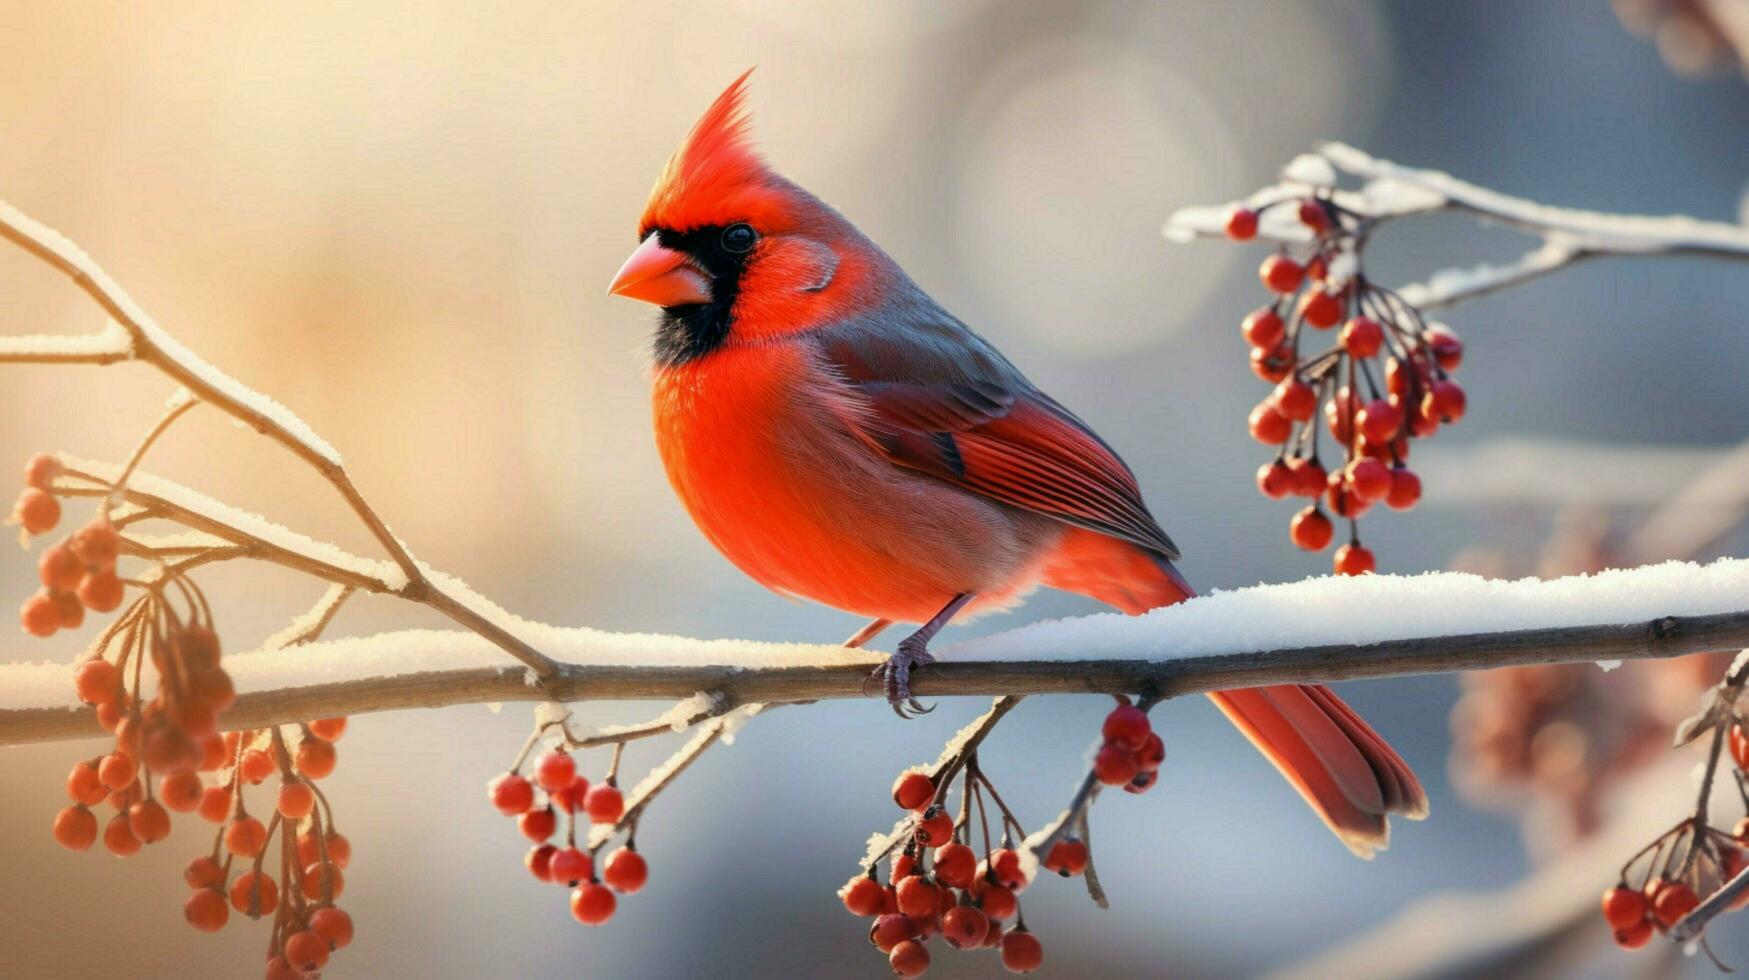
(1387, 191)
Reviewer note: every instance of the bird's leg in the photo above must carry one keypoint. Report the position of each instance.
(913, 651)
(867, 633)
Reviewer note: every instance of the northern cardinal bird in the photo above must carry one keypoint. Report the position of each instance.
(840, 436)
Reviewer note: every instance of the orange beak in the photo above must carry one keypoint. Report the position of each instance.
(661, 276)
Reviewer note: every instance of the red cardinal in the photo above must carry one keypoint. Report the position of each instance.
(840, 436)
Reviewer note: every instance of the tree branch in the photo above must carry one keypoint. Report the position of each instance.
(1389, 191)
(1670, 636)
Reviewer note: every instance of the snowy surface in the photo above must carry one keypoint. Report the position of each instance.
(1313, 612)
(112, 339)
(154, 335)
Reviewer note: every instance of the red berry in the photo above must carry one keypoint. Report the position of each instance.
(245, 837)
(75, 828)
(626, 871)
(1369, 479)
(570, 866)
(1004, 865)
(1296, 400)
(1263, 328)
(1344, 502)
(511, 794)
(1268, 425)
(1339, 415)
(1241, 226)
(117, 771)
(1022, 952)
(59, 569)
(315, 758)
(1275, 480)
(1321, 309)
(964, 927)
(1444, 402)
(592, 904)
(42, 470)
(540, 861)
(181, 791)
(555, 771)
(604, 804)
(570, 799)
(538, 825)
(997, 901)
(318, 876)
(97, 681)
(917, 897)
(1143, 782)
(1152, 755)
(72, 611)
(1405, 489)
(215, 804)
(1313, 214)
(101, 592)
(1127, 726)
(1352, 559)
(1274, 363)
(1281, 274)
(83, 785)
(1068, 857)
(1115, 765)
(956, 865)
(1624, 907)
(1308, 477)
(279, 969)
(38, 615)
(1634, 936)
(149, 821)
(255, 894)
(296, 800)
(306, 951)
(891, 929)
(934, 828)
(1672, 902)
(255, 766)
(913, 791)
(1448, 350)
(1311, 530)
(205, 910)
(328, 729)
(863, 895)
(908, 959)
(118, 837)
(97, 544)
(203, 872)
(333, 925)
(37, 511)
(338, 847)
(1362, 336)
(1380, 421)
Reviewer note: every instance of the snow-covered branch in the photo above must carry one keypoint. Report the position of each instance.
(1320, 629)
(1388, 191)
(133, 335)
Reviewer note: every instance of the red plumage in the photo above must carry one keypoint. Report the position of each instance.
(839, 436)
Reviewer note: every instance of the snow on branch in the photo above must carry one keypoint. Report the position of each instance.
(1319, 629)
(1388, 191)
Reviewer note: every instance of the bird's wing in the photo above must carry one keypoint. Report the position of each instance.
(942, 401)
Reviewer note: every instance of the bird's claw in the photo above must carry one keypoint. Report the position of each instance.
(895, 678)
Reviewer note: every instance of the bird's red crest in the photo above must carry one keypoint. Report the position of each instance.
(717, 176)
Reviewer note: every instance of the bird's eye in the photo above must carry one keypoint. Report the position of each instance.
(739, 239)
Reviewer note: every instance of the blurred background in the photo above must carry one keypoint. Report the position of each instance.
(400, 219)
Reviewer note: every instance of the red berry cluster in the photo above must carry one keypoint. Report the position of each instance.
(307, 925)
(1132, 754)
(558, 788)
(78, 572)
(1670, 877)
(939, 884)
(1384, 380)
